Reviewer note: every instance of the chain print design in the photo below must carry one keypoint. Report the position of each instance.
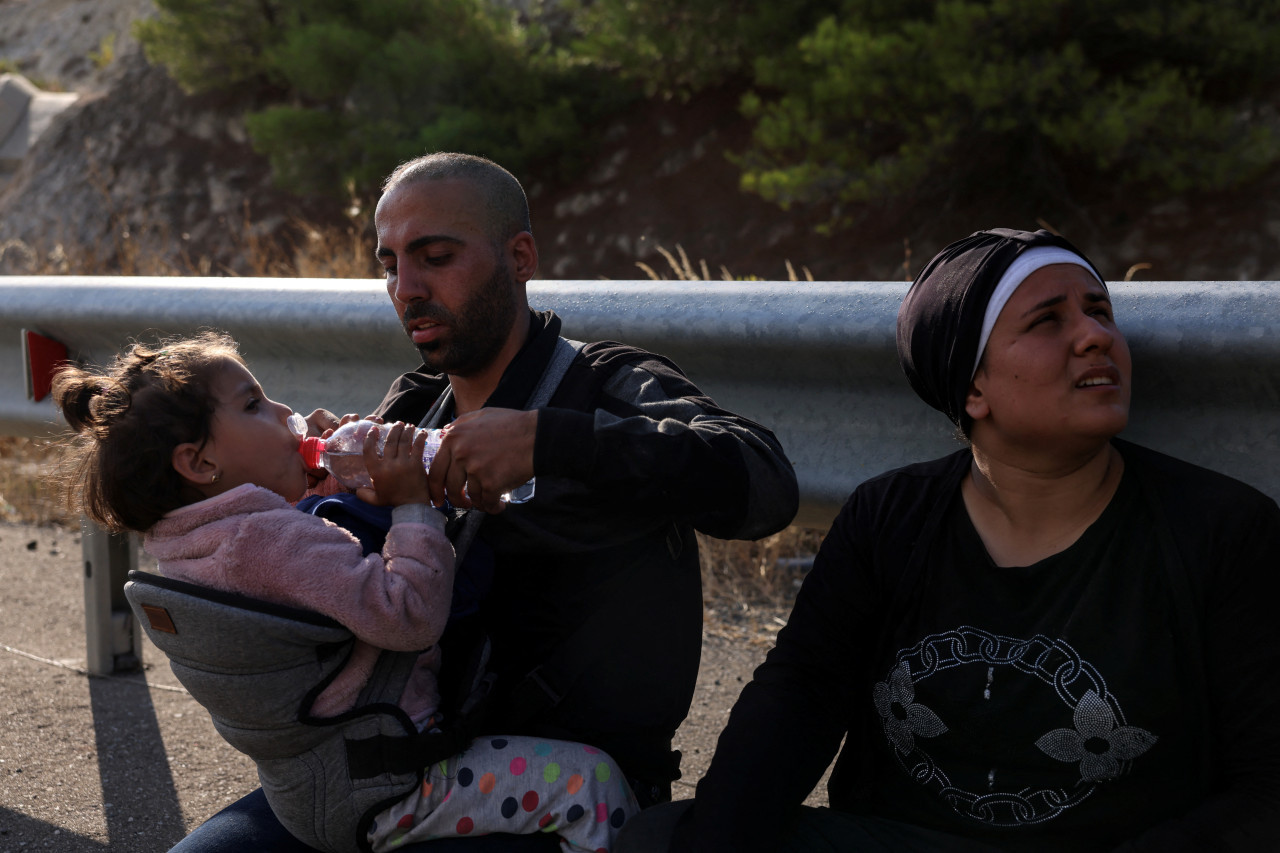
(1102, 743)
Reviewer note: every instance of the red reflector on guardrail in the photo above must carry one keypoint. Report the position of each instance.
(41, 359)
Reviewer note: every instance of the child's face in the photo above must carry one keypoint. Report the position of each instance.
(250, 441)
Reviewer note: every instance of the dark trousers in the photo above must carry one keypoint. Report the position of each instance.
(248, 826)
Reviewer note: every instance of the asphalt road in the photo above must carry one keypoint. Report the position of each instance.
(131, 763)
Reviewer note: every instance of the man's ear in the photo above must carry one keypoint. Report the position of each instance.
(191, 463)
(523, 252)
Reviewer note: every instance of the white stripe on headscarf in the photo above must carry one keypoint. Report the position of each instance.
(1022, 267)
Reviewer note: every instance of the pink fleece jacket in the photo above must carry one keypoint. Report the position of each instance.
(252, 541)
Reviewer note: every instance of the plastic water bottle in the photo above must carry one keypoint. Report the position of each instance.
(342, 454)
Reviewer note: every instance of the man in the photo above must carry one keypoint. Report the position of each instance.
(629, 457)
(595, 609)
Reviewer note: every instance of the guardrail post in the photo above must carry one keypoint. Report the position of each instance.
(114, 643)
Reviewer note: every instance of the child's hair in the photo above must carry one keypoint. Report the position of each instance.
(129, 418)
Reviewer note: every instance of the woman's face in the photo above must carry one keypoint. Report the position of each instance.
(1056, 369)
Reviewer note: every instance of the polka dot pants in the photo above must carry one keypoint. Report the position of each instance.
(517, 785)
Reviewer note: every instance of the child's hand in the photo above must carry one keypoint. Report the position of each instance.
(398, 474)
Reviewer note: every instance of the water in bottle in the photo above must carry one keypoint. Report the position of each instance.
(342, 454)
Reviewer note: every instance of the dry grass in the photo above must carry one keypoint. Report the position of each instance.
(748, 587)
(760, 573)
(26, 492)
(308, 251)
(684, 270)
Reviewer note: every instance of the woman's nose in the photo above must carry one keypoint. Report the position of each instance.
(1094, 334)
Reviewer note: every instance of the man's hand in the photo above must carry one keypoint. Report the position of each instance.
(321, 421)
(398, 476)
(483, 455)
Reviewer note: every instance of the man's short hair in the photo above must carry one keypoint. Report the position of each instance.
(505, 207)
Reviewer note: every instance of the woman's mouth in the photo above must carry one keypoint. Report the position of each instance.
(1099, 376)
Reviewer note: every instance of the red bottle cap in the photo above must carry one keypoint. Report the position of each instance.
(311, 448)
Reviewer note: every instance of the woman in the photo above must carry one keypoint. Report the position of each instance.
(1050, 640)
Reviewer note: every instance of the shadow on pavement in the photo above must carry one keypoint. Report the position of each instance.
(138, 792)
(16, 825)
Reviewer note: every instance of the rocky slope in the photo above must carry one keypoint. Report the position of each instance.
(136, 177)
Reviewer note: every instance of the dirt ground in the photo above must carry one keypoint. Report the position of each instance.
(132, 763)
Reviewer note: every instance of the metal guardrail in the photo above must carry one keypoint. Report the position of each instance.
(815, 362)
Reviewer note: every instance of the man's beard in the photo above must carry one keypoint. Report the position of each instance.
(477, 332)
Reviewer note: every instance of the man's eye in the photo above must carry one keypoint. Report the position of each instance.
(437, 260)
(252, 404)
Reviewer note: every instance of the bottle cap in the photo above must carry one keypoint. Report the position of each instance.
(311, 448)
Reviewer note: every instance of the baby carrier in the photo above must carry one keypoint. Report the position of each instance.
(258, 667)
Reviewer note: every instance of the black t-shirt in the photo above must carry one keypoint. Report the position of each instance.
(1012, 697)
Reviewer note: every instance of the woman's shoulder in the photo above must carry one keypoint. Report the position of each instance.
(900, 496)
(1180, 482)
(1215, 520)
(928, 476)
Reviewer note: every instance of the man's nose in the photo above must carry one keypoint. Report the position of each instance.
(409, 285)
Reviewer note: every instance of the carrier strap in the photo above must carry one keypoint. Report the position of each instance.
(463, 528)
(373, 756)
(368, 758)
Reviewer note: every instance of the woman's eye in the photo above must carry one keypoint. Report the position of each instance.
(252, 405)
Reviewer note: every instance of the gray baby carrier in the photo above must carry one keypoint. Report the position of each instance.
(258, 667)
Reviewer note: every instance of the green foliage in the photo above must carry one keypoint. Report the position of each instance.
(851, 101)
(1162, 95)
(210, 44)
(678, 47)
(106, 52)
(360, 87)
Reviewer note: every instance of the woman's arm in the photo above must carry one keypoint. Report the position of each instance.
(787, 725)
(1242, 651)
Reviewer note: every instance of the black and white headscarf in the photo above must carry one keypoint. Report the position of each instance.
(947, 316)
